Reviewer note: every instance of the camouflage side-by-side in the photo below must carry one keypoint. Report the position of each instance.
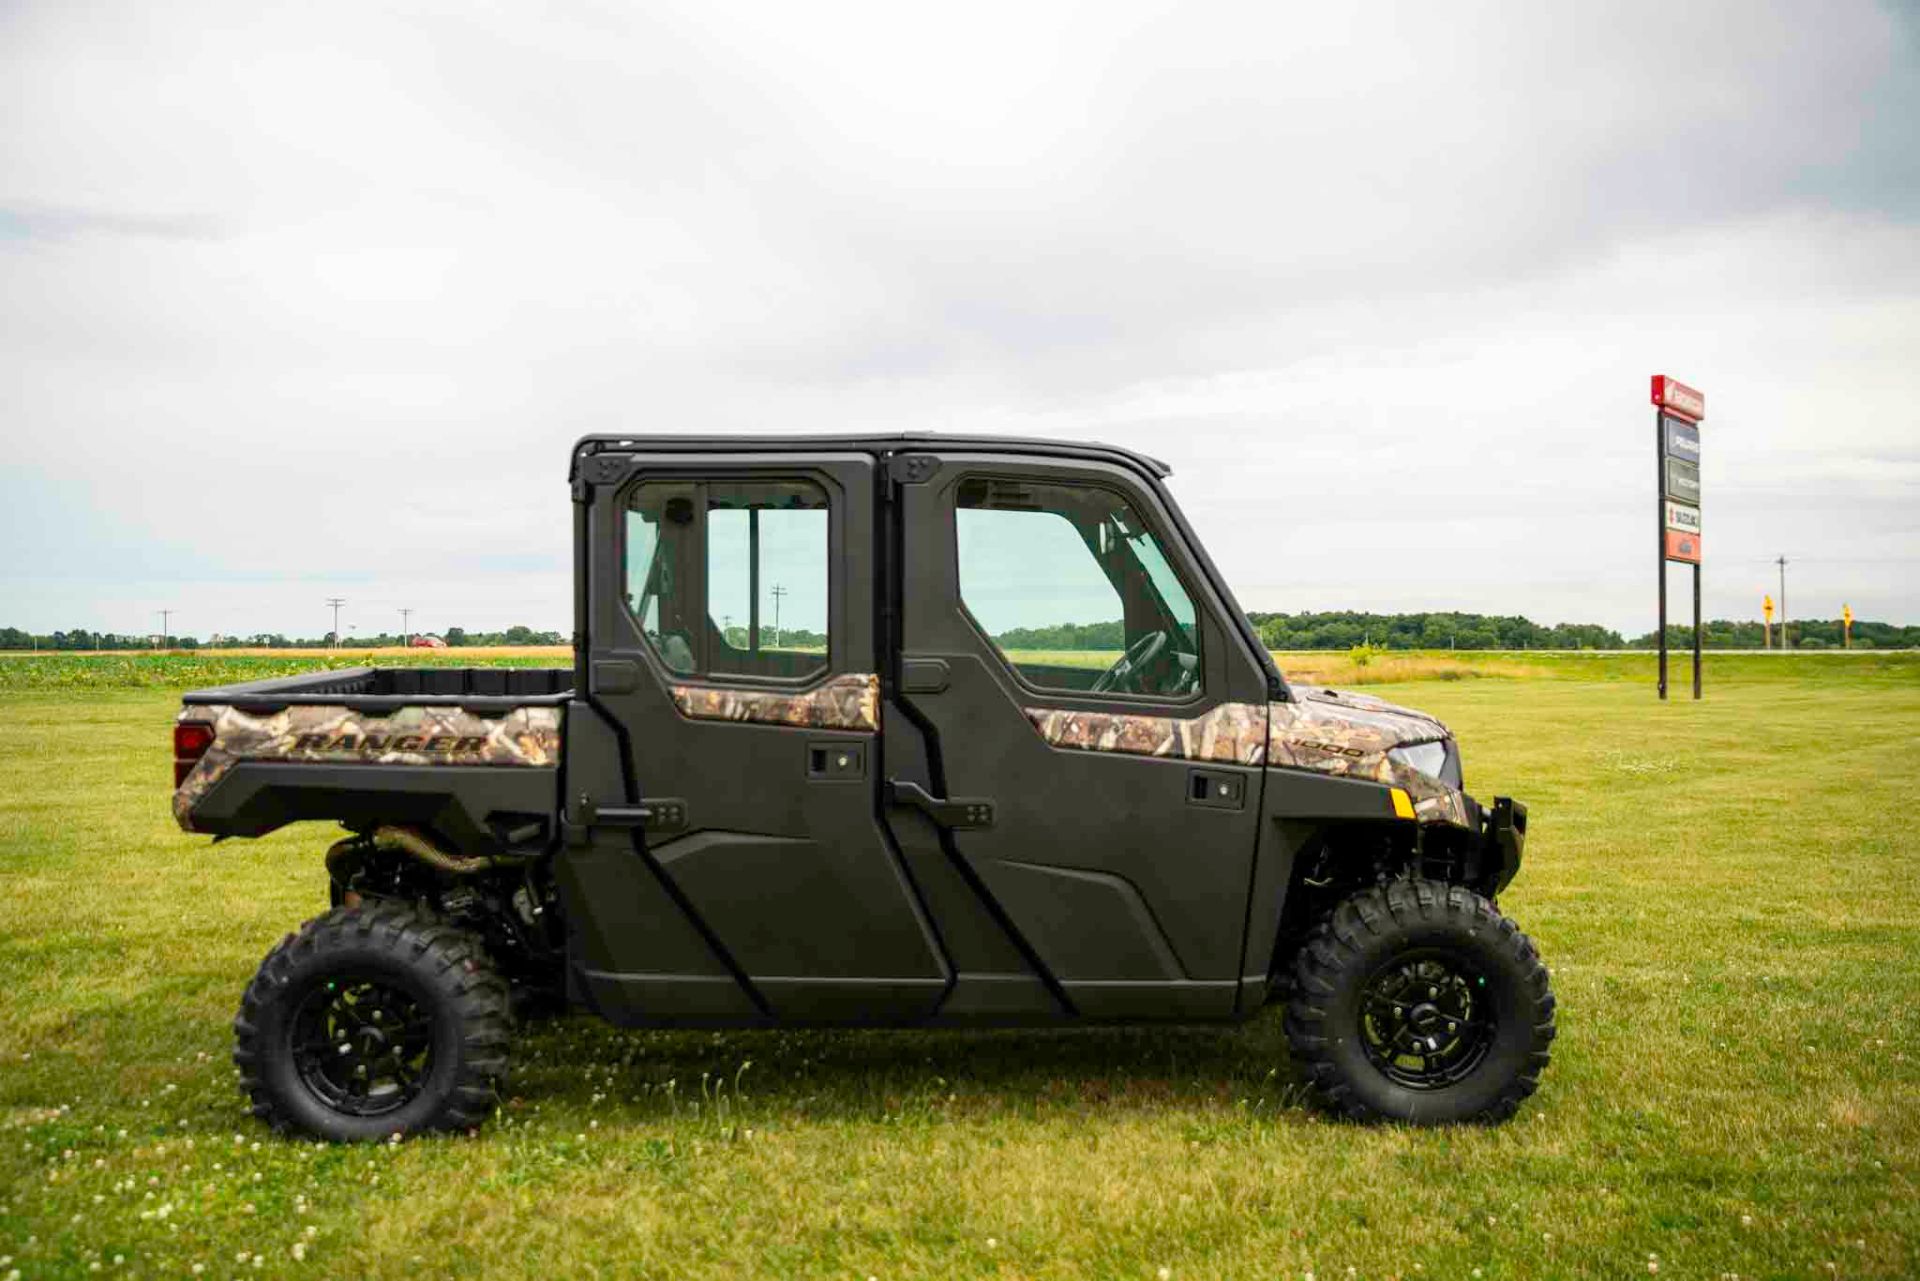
(1324, 731)
(851, 701)
(526, 736)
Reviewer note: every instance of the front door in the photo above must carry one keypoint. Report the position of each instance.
(732, 624)
(1070, 664)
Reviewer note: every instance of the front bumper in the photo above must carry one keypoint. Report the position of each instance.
(1503, 838)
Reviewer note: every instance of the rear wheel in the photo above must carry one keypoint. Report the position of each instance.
(370, 1021)
(1419, 1002)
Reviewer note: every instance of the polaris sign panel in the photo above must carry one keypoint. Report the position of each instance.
(1679, 398)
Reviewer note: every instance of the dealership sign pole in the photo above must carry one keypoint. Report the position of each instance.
(1678, 411)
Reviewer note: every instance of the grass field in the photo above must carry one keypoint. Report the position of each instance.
(1728, 893)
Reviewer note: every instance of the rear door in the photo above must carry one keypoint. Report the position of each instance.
(732, 625)
(1096, 728)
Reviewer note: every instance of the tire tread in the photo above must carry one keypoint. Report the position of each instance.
(449, 960)
(1323, 963)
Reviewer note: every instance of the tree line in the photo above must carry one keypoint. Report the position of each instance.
(1344, 629)
(1339, 629)
(83, 638)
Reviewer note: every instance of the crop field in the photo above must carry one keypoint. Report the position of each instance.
(1728, 894)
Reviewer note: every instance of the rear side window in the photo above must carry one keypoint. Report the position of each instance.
(731, 577)
(1074, 589)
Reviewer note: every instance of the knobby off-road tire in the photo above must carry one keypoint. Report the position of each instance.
(1419, 1002)
(371, 1021)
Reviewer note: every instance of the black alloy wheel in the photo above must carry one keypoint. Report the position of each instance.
(362, 1044)
(1422, 1022)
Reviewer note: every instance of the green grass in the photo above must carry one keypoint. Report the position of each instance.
(1728, 893)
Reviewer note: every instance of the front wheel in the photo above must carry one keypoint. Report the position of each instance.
(1419, 1002)
(373, 1020)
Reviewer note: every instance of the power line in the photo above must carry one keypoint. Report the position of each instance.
(406, 633)
(778, 592)
(165, 614)
(335, 602)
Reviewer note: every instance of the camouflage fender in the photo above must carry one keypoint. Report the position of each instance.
(1349, 735)
(527, 737)
(851, 701)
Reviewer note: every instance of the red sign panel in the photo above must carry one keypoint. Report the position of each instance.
(1682, 545)
(1678, 398)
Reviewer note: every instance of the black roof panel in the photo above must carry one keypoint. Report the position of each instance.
(878, 443)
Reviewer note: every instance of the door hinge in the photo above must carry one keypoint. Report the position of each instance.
(914, 469)
(952, 812)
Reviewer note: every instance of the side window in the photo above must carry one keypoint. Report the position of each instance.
(730, 578)
(1073, 589)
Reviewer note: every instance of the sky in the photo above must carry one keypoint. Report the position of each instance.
(310, 301)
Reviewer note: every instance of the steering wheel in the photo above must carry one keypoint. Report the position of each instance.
(1124, 674)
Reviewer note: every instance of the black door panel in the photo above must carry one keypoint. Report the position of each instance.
(780, 856)
(1132, 897)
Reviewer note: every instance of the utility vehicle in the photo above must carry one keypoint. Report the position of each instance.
(833, 751)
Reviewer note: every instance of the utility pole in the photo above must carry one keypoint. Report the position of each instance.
(778, 592)
(165, 614)
(1786, 637)
(334, 603)
(406, 633)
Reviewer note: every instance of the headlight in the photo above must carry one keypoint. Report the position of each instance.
(1429, 758)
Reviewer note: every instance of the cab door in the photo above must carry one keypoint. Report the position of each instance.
(732, 644)
(1097, 729)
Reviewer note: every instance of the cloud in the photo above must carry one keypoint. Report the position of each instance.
(291, 295)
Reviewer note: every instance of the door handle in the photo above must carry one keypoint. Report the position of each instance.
(1216, 789)
(950, 812)
(658, 813)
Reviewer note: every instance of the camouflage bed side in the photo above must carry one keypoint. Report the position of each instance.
(526, 736)
(1231, 732)
(851, 701)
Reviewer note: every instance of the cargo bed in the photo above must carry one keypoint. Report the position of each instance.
(471, 753)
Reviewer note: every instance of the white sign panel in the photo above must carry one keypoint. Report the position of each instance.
(1683, 518)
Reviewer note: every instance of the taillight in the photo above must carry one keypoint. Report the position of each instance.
(191, 739)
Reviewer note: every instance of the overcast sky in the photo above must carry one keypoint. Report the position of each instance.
(310, 300)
